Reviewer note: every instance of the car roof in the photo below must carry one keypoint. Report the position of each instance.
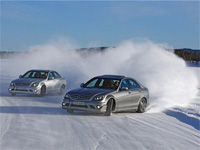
(40, 70)
(111, 76)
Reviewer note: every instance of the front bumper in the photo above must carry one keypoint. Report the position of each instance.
(24, 90)
(92, 106)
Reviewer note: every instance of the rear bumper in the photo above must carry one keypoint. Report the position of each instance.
(24, 90)
(92, 106)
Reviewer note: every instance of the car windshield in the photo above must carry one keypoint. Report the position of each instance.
(104, 83)
(36, 74)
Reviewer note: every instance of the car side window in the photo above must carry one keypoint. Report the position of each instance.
(56, 75)
(101, 83)
(33, 75)
(125, 84)
(133, 84)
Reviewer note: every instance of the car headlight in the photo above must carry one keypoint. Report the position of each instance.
(67, 96)
(99, 97)
(12, 84)
(35, 84)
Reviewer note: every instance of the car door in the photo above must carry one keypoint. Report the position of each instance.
(50, 82)
(135, 92)
(123, 97)
(57, 81)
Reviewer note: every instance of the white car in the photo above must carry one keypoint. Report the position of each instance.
(39, 82)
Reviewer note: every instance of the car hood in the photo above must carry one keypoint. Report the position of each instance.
(27, 80)
(90, 91)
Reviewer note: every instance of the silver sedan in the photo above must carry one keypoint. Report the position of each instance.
(107, 94)
(38, 82)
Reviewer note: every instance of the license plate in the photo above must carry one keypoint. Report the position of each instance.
(79, 103)
(20, 88)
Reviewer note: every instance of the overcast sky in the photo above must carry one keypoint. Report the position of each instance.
(99, 23)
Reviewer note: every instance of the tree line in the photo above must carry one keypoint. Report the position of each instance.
(188, 54)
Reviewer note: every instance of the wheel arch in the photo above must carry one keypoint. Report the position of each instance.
(143, 96)
(110, 97)
(63, 85)
(43, 85)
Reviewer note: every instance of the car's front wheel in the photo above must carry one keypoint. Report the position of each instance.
(109, 108)
(142, 106)
(43, 91)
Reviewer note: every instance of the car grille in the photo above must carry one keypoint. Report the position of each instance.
(22, 90)
(22, 84)
(80, 97)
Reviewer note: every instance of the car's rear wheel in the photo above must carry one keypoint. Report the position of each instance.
(109, 108)
(13, 94)
(43, 91)
(142, 106)
(62, 89)
(70, 111)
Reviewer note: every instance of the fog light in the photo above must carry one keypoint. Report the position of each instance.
(35, 90)
(9, 89)
(98, 107)
(63, 103)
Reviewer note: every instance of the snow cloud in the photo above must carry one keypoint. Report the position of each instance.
(169, 80)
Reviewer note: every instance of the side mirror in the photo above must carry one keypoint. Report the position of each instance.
(82, 85)
(123, 89)
(20, 76)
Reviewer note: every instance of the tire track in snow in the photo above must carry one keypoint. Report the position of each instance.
(5, 126)
(99, 142)
(185, 129)
(146, 123)
(5, 121)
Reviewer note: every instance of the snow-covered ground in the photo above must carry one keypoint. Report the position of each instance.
(39, 123)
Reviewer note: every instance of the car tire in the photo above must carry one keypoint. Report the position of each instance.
(62, 89)
(43, 91)
(142, 106)
(109, 108)
(13, 94)
(70, 111)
